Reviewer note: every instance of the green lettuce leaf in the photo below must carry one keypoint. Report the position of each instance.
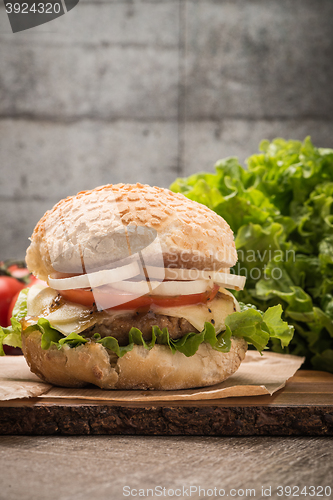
(72, 340)
(21, 307)
(281, 211)
(11, 335)
(278, 329)
(112, 344)
(50, 335)
(257, 327)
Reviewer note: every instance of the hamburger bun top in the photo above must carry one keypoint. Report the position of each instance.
(91, 230)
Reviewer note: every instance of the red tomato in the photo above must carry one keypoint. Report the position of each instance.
(86, 298)
(18, 272)
(9, 287)
(23, 272)
(83, 297)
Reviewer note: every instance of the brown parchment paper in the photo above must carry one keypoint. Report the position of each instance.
(257, 375)
(17, 381)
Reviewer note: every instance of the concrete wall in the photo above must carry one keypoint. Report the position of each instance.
(147, 90)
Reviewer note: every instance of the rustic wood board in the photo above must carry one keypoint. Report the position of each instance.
(303, 407)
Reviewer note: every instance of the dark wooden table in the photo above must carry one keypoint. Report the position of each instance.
(303, 408)
(60, 467)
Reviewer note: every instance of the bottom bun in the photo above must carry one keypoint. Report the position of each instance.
(158, 368)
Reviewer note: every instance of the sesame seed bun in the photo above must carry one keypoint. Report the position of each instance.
(90, 230)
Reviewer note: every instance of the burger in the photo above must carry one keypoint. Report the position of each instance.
(136, 294)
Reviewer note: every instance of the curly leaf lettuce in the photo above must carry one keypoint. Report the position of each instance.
(281, 211)
(188, 344)
(257, 327)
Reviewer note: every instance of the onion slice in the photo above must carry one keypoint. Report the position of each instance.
(232, 281)
(96, 279)
(166, 288)
(183, 281)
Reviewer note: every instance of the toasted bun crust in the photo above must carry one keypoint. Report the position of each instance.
(139, 369)
(75, 236)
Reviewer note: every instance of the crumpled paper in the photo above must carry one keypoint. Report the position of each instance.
(257, 375)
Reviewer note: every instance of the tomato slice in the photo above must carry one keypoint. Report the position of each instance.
(86, 298)
(79, 296)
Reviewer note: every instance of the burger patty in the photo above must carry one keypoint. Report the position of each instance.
(120, 326)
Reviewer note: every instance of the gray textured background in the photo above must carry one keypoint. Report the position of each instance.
(146, 90)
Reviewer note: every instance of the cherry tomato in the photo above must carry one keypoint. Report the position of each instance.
(18, 272)
(9, 287)
(86, 298)
(22, 272)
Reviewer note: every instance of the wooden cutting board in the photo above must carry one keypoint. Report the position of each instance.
(303, 407)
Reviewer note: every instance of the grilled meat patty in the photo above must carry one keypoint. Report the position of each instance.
(120, 326)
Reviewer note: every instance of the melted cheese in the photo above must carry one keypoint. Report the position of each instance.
(68, 317)
(39, 300)
(214, 312)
